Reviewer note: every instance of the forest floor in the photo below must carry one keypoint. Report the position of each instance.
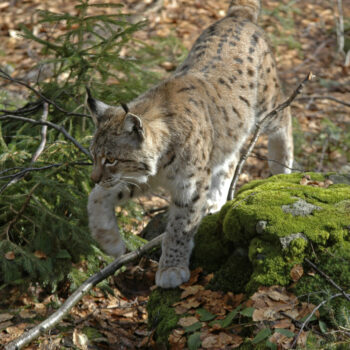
(303, 35)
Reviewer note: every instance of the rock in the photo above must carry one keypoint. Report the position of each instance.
(300, 208)
(286, 241)
(261, 226)
(276, 220)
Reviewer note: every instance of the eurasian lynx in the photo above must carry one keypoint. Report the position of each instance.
(185, 135)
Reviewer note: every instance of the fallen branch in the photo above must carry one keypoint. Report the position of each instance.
(305, 323)
(347, 297)
(52, 125)
(258, 127)
(57, 316)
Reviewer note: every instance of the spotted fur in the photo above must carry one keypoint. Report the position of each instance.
(185, 135)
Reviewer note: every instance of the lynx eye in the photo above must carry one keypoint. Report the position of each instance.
(111, 161)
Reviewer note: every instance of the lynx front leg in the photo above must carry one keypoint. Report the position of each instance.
(184, 218)
(102, 221)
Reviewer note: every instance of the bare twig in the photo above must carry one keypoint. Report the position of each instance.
(347, 297)
(257, 132)
(57, 316)
(305, 323)
(299, 324)
(339, 19)
(52, 125)
(257, 156)
(6, 76)
(41, 147)
(320, 97)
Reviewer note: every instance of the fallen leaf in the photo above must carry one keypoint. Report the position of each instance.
(27, 314)
(187, 321)
(80, 340)
(10, 255)
(40, 255)
(296, 272)
(5, 317)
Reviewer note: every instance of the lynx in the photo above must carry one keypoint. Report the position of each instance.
(185, 135)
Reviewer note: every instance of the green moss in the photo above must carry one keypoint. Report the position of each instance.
(211, 248)
(335, 262)
(266, 201)
(230, 277)
(161, 315)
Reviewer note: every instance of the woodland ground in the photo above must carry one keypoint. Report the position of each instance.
(304, 39)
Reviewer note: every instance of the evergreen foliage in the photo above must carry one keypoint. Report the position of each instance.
(43, 218)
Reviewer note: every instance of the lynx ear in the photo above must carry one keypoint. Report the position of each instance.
(96, 107)
(133, 124)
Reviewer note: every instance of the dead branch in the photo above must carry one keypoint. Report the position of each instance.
(57, 316)
(320, 97)
(257, 156)
(41, 147)
(305, 323)
(339, 24)
(6, 76)
(52, 125)
(347, 297)
(258, 127)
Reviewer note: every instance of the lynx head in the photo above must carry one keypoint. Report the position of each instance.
(121, 147)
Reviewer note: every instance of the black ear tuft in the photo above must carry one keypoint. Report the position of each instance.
(125, 107)
(91, 101)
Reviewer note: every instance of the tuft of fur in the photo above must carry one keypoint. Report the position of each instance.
(249, 9)
(185, 135)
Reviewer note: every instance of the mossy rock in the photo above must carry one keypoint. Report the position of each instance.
(272, 221)
(269, 227)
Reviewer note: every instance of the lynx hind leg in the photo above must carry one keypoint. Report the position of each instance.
(102, 221)
(280, 144)
(220, 184)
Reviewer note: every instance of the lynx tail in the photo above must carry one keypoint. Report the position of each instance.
(249, 9)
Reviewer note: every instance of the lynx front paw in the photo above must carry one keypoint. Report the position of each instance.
(115, 249)
(171, 277)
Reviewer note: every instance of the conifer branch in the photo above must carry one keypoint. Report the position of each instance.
(57, 316)
(59, 128)
(8, 77)
(258, 128)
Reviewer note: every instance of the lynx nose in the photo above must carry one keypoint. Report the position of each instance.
(96, 175)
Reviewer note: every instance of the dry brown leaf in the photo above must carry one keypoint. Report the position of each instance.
(187, 321)
(296, 272)
(10, 255)
(80, 340)
(191, 290)
(27, 314)
(40, 255)
(5, 317)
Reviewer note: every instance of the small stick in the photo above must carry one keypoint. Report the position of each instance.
(58, 315)
(305, 323)
(41, 147)
(258, 127)
(328, 279)
(320, 97)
